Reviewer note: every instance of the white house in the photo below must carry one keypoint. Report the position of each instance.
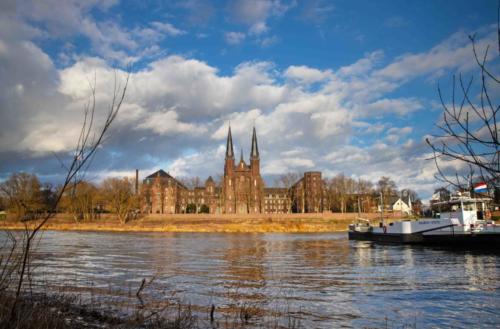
(401, 206)
(396, 204)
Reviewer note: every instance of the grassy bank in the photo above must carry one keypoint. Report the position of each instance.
(51, 311)
(285, 223)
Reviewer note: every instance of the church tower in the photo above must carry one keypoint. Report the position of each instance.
(254, 155)
(242, 185)
(228, 188)
(229, 162)
(257, 184)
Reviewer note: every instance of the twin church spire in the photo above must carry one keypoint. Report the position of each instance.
(229, 145)
(255, 148)
(254, 153)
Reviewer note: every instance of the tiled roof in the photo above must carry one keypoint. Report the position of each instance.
(161, 173)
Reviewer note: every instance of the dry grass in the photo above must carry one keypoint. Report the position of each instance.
(205, 223)
(57, 311)
(43, 311)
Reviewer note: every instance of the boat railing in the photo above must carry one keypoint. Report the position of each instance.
(360, 219)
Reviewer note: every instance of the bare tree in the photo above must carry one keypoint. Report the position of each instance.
(364, 190)
(341, 192)
(145, 198)
(81, 199)
(23, 194)
(119, 195)
(387, 188)
(408, 193)
(469, 131)
(90, 139)
(288, 179)
(190, 182)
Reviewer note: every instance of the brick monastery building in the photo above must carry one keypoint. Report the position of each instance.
(241, 191)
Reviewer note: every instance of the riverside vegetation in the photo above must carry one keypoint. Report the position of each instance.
(204, 223)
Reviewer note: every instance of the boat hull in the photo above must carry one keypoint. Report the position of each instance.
(490, 240)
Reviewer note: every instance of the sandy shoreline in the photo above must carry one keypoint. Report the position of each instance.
(200, 223)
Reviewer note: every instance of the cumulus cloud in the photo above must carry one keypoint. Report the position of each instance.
(167, 123)
(453, 53)
(317, 11)
(283, 165)
(168, 28)
(234, 38)
(362, 66)
(197, 12)
(258, 28)
(109, 39)
(255, 15)
(252, 12)
(177, 108)
(268, 41)
(399, 106)
(306, 74)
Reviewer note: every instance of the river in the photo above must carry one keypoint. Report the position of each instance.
(322, 279)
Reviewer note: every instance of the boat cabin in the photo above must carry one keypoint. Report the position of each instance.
(465, 209)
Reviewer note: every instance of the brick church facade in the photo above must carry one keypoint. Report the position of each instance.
(241, 190)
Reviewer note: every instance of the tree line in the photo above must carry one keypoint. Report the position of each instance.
(25, 197)
(342, 193)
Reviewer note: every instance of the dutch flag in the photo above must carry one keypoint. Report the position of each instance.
(481, 187)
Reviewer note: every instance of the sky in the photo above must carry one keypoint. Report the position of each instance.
(336, 86)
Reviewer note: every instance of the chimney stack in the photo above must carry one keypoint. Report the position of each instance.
(136, 181)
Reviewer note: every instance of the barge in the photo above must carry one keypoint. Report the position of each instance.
(463, 223)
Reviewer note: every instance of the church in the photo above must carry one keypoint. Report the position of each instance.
(241, 190)
(242, 185)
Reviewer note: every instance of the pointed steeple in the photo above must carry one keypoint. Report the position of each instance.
(241, 155)
(229, 145)
(255, 148)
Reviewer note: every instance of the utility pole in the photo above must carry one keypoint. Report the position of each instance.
(382, 207)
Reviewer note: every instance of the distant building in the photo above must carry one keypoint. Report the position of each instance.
(401, 206)
(277, 200)
(241, 190)
(307, 193)
(163, 193)
(396, 204)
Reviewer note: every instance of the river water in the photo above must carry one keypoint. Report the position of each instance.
(322, 279)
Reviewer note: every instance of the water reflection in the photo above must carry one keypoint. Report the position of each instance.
(325, 279)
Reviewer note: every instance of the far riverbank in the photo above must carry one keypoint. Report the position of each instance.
(206, 223)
